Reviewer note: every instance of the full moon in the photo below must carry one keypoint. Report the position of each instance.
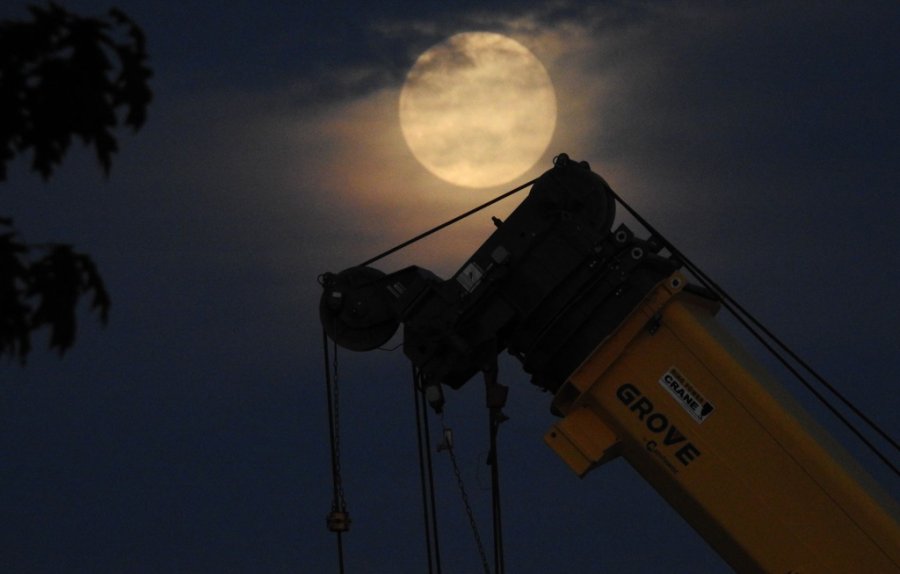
(478, 109)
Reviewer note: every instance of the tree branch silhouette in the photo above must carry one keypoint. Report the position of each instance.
(62, 76)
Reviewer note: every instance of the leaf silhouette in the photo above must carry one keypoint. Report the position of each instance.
(62, 77)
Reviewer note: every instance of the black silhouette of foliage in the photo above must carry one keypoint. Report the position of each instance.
(58, 80)
(62, 76)
(43, 292)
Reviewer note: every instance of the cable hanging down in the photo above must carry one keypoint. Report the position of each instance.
(496, 398)
(426, 476)
(338, 519)
(448, 446)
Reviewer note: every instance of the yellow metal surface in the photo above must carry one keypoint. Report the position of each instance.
(700, 421)
(582, 440)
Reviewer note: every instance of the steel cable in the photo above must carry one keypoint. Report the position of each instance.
(770, 341)
(456, 219)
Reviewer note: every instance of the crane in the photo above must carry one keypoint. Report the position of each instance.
(639, 367)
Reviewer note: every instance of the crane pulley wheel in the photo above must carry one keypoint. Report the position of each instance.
(354, 318)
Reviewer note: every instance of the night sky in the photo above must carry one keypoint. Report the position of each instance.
(190, 434)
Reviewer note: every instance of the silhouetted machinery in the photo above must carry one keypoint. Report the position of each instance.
(638, 368)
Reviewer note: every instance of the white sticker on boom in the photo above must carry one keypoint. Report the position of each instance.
(686, 395)
(470, 276)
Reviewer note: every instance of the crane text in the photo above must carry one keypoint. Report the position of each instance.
(657, 423)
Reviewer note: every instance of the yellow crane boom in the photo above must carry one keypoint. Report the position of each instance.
(699, 420)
